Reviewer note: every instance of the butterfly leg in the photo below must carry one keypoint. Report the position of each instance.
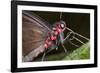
(73, 44)
(49, 50)
(43, 56)
(62, 42)
(64, 47)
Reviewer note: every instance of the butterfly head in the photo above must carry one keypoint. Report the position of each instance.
(62, 24)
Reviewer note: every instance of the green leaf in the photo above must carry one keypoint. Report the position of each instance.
(80, 53)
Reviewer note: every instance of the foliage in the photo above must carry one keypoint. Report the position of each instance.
(80, 53)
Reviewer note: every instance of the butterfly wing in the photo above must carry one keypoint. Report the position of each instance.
(34, 33)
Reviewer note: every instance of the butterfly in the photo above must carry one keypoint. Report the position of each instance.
(39, 36)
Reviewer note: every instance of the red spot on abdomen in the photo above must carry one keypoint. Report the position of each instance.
(56, 32)
(53, 37)
(59, 30)
(45, 45)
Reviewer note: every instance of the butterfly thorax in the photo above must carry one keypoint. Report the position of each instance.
(53, 36)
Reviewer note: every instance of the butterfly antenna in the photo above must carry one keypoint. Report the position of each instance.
(60, 15)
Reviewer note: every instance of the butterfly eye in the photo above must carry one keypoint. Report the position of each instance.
(62, 25)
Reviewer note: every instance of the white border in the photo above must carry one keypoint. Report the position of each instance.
(53, 63)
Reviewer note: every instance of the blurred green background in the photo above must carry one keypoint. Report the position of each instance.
(78, 22)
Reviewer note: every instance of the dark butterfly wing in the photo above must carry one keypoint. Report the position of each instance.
(35, 18)
(34, 33)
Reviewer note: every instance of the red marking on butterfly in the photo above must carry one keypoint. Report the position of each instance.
(53, 36)
(45, 45)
